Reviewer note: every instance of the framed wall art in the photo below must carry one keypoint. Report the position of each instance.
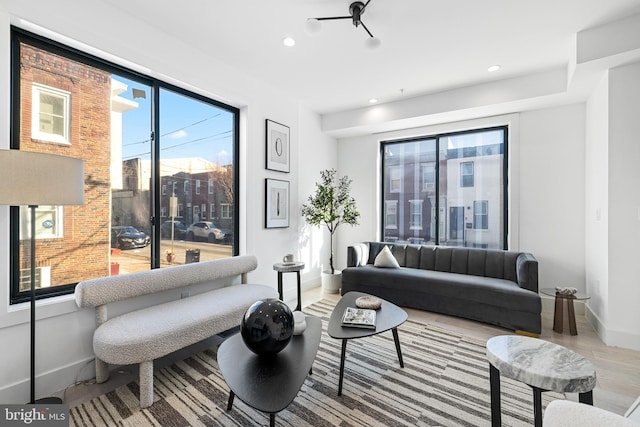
(277, 203)
(277, 146)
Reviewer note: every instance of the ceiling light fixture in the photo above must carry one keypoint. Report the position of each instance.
(493, 68)
(373, 100)
(288, 41)
(356, 9)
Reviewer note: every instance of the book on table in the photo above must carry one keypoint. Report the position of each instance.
(359, 318)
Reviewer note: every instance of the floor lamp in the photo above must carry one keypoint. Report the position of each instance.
(33, 179)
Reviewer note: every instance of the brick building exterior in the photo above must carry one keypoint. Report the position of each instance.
(81, 248)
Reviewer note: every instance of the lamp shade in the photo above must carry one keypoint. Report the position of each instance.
(28, 178)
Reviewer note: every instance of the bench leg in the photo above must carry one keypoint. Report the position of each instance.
(146, 384)
(102, 371)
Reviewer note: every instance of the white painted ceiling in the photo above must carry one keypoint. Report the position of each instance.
(427, 46)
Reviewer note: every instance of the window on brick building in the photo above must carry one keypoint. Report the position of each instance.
(50, 114)
(139, 163)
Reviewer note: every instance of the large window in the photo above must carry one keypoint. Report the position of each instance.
(438, 189)
(147, 148)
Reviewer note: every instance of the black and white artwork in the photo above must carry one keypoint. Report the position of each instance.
(277, 146)
(277, 203)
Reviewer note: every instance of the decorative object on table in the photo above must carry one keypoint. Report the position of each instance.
(566, 290)
(277, 203)
(288, 259)
(331, 206)
(299, 322)
(32, 179)
(356, 10)
(370, 302)
(267, 326)
(277, 136)
(354, 317)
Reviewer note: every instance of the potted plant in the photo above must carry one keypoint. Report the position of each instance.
(331, 206)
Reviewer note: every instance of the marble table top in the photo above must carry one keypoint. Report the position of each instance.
(541, 364)
(286, 267)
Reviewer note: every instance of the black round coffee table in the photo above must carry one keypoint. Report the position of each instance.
(388, 316)
(269, 384)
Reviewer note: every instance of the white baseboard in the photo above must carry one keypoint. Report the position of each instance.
(612, 337)
(49, 384)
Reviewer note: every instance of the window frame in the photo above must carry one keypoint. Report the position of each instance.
(485, 215)
(37, 90)
(439, 232)
(464, 175)
(18, 36)
(391, 209)
(413, 224)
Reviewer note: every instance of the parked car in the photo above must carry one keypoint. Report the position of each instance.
(206, 230)
(128, 237)
(179, 230)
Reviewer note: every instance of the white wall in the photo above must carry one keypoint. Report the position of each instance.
(545, 155)
(64, 332)
(624, 206)
(613, 206)
(552, 193)
(596, 203)
(316, 154)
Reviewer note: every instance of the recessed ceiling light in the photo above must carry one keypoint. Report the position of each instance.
(288, 41)
(493, 68)
(373, 100)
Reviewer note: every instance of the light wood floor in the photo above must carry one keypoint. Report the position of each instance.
(617, 369)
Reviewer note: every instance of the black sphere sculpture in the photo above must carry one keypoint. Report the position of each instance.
(267, 326)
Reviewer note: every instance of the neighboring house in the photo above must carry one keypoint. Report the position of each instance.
(470, 206)
(53, 90)
(200, 187)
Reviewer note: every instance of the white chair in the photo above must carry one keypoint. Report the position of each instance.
(565, 413)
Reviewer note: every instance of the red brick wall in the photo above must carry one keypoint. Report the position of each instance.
(83, 252)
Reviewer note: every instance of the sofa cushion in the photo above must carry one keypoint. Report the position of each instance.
(443, 259)
(385, 259)
(424, 283)
(361, 255)
(399, 253)
(374, 250)
(428, 257)
(412, 254)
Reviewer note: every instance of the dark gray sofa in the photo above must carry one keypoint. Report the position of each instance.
(491, 286)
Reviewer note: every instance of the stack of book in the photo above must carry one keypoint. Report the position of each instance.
(359, 318)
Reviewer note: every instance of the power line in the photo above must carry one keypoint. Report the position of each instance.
(173, 131)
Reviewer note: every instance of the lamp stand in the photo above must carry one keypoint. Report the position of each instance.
(46, 400)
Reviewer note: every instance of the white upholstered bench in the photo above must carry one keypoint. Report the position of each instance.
(142, 335)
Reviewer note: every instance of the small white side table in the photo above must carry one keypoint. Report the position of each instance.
(289, 267)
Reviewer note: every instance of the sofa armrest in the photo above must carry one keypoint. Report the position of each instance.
(527, 272)
(357, 255)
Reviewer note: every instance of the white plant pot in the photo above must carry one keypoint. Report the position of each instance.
(331, 283)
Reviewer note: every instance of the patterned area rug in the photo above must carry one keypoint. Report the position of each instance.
(445, 382)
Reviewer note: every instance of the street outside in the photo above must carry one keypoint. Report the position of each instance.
(134, 260)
